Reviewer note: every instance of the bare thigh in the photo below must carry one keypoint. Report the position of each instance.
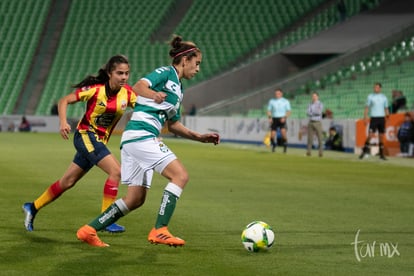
(176, 173)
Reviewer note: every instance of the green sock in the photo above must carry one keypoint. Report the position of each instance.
(168, 202)
(110, 215)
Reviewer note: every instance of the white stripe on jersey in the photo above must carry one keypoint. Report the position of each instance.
(134, 134)
(169, 109)
(147, 118)
(149, 102)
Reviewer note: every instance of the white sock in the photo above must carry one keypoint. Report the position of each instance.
(122, 206)
(174, 189)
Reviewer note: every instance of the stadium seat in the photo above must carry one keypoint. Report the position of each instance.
(235, 33)
(19, 41)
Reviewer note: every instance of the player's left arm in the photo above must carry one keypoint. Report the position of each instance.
(287, 114)
(288, 111)
(179, 129)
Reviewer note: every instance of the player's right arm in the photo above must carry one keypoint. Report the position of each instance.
(143, 89)
(62, 108)
(366, 109)
(366, 119)
(269, 112)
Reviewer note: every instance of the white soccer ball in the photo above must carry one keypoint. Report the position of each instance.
(257, 236)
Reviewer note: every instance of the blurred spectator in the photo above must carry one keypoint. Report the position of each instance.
(334, 141)
(193, 110)
(11, 127)
(54, 109)
(314, 112)
(342, 10)
(328, 114)
(398, 101)
(25, 125)
(406, 134)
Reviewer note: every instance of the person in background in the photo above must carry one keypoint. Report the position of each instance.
(142, 152)
(107, 96)
(193, 110)
(341, 10)
(314, 112)
(328, 114)
(376, 108)
(54, 109)
(405, 134)
(278, 110)
(25, 125)
(399, 101)
(11, 126)
(334, 140)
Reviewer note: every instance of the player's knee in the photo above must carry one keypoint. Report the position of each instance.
(181, 179)
(138, 203)
(115, 174)
(67, 183)
(135, 202)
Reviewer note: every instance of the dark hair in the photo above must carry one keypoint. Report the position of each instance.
(182, 48)
(102, 76)
(379, 84)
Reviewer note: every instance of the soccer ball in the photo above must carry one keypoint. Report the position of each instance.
(257, 236)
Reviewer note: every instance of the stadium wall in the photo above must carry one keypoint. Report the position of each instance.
(254, 130)
(38, 123)
(240, 129)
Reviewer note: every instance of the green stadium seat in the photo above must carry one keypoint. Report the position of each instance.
(345, 91)
(18, 44)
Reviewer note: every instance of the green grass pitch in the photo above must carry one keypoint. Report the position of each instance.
(335, 215)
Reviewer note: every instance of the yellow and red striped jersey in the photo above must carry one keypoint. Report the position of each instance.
(103, 111)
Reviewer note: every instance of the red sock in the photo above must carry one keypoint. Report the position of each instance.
(51, 193)
(109, 193)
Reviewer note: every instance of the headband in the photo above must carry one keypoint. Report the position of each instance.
(184, 52)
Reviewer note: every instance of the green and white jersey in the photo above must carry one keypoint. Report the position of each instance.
(149, 117)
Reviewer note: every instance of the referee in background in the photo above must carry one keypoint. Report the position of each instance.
(278, 110)
(377, 109)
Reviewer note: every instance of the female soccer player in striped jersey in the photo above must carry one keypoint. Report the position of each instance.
(142, 152)
(107, 95)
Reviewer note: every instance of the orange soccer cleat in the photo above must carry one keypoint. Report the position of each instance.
(88, 234)
(163, 236)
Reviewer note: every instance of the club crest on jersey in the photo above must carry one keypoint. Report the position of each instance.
(124, 104)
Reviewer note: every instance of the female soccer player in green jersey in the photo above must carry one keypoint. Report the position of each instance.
(142, 152)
